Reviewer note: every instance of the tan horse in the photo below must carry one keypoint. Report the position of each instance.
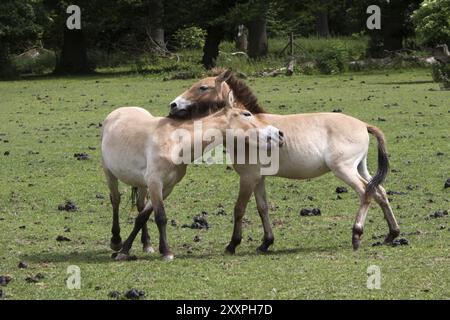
(314, 144)
(137, 149)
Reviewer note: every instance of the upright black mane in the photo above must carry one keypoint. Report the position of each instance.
(244, 95)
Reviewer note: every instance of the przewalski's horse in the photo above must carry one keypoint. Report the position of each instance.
(138, 149)
(314, 144)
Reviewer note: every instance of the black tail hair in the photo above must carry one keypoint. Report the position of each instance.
(383, 160)
(134, 196)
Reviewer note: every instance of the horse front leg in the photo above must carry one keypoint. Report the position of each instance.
(263, 210)
(145, 239)
(161, 222)
(246, 188)
(157, 196)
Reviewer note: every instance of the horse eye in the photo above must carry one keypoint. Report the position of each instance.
(204, 88)
(246, 114)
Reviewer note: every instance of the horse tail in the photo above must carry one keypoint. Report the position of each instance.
(134, 196)
(383, 160)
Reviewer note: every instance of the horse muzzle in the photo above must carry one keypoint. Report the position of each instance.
(273, 137)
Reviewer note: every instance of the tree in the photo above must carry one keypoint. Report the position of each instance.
(321, 15)
(18, 25)
(214, 35)
(155, 18)
(395, 25)
(241, 41)
(211, 15)
(73, 58)
(432, 21)
(70, 44)
(257, 38)
(253, 14)
(257, 29)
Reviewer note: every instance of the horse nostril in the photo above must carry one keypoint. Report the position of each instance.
(173, 105)
(281, 135)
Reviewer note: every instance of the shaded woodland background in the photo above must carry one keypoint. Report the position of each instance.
(192, 34)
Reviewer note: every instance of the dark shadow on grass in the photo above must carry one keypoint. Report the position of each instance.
(104, 256)
(90, 76)
(253, 253)
(404, 82)
(90, 256)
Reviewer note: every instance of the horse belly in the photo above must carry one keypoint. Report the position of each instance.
(128, 169)
(299, 167)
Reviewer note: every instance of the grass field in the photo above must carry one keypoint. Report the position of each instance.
(44, 121)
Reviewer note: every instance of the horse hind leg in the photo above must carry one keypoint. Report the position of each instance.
(381, 198)
(114, 195)
(145, 236)
(154, 204)
(357, 183)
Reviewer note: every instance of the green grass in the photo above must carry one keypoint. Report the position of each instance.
(312, 257)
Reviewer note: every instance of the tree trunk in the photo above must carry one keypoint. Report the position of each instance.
(73, 58)
(393, 25)
(241, 39)
(322, 28)
(156, 14)
(290, 67)
(211, 49)
(7, 71)
(257, 38)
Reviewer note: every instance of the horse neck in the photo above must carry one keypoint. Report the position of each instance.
(213, 125)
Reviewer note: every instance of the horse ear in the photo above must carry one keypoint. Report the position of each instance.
(230, 100)
(224, 76)
(221, 78)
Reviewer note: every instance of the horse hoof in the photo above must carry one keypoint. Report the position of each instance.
(262, 249)
(356, 242)
(391, 237)
(230, 250)
(168, 257)
(115, 246)
(122, 257)
(148, 249)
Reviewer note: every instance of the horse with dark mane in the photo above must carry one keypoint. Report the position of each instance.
(141, 151)
(315, 144)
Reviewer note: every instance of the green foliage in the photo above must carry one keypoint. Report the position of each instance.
(104, 59)
(332, 59)
(190, 38)
(7, 70)
(343, 49)
(332, 54)
(432, 22)
(18, 27)
(41, 64)
(441, 74)
(18, 22)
